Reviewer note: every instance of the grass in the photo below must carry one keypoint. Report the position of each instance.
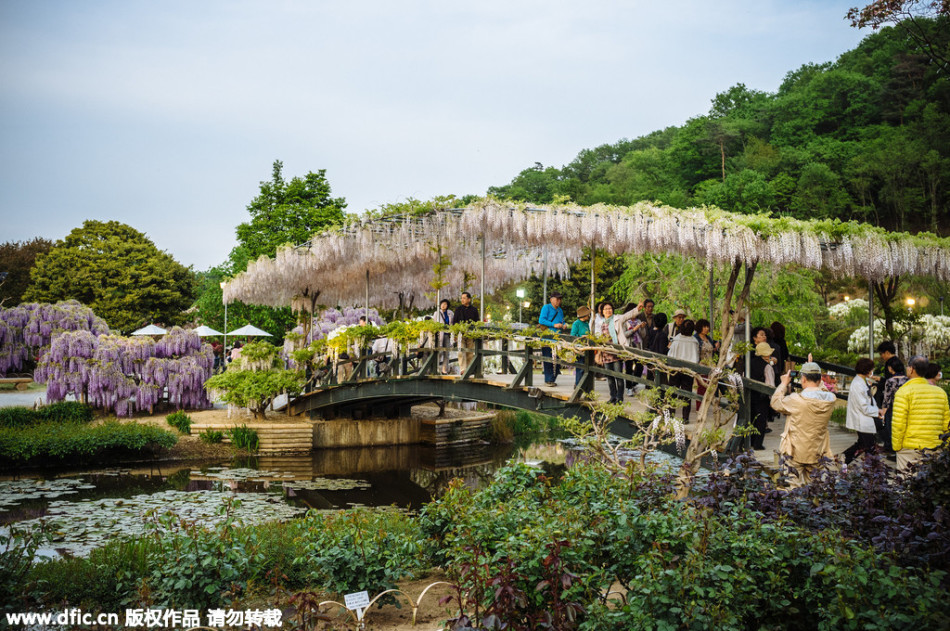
(510, 423)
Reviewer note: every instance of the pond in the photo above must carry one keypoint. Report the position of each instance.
(82, 509)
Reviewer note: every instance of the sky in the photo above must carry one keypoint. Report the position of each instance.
(168, 115)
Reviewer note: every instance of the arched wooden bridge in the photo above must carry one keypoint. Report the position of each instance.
(382, 384)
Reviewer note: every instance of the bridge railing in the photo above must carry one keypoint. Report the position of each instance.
(520, 355)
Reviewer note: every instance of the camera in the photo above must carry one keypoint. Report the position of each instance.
(793, 374)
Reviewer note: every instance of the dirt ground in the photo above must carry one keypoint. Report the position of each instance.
(424, 593)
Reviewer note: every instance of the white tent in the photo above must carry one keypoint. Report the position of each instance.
(205, 331)
(249, 329)
(150, 330)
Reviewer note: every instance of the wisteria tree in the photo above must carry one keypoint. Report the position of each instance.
(124, 374)
(256, 380)
(328, 321)
(27, 330)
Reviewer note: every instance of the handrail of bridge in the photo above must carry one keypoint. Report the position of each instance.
(424, 362)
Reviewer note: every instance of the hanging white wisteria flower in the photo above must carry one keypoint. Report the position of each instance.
(392, 257)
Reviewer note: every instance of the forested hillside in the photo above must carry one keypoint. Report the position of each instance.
(866, 137)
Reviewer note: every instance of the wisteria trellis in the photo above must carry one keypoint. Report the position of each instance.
(399, 252)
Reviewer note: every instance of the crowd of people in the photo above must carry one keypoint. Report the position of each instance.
(903, 409)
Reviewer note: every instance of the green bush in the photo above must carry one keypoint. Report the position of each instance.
(121, 573)
(361, 550)
(18, 550)
(17, 417)
(72, 440)
(109, 579)
(67, 412)
(199, 567)
(180, 421)
(211, 436)
(243, 437)
(62, 412)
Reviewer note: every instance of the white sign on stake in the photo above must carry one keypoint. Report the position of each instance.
(357, 601)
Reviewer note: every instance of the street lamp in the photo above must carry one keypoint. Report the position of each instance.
(910, 303)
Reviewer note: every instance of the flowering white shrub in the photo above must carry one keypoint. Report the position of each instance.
(842, 310)
(929, 336)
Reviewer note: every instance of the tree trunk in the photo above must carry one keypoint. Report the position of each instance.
(886, 291)
(710, 417)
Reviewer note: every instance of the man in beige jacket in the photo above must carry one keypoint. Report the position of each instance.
(805, 440)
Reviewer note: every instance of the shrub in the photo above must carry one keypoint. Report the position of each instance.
(211, 436)
(244, 437)
(180, 421)
(66, 412)
(109, 579)
(71, 440)
(501, 429)
(361, 550)
(17, 417)
(201, 567)
(18, 550)
(62, 412)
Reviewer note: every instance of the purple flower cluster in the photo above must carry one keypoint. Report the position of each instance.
(332, 319)
(112, 372)
(28, 329)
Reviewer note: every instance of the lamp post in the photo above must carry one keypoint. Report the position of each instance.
(520, 294)
(910, 303)
(225, 322)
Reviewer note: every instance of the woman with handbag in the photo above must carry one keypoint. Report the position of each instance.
(862, 410)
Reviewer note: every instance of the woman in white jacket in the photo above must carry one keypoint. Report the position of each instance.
(684, 346)
(862, 410)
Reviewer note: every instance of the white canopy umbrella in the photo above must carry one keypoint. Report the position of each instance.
(250, 329)
(205, 331)
(150, 330)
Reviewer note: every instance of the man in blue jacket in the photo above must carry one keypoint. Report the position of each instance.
(552, 317)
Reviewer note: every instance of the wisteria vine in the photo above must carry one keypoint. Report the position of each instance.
(27, 330)
(125, 374)
(398, 253)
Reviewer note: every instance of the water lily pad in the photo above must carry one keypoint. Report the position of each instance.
(15, 492)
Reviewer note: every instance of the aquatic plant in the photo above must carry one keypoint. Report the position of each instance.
(244, 437)
(211, 436)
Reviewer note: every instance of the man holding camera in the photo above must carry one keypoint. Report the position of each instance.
(805, 440)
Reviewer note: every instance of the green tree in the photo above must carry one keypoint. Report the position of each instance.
(287, 212)
(117, 272)
(917, 18)
(536, 184)
(16, 260)
(282, 212)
